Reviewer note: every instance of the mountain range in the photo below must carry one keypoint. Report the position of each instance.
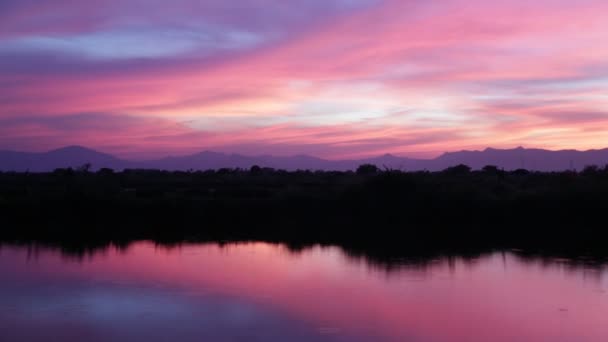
(508, 159)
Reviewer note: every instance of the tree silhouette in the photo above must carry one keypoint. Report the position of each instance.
(86, 167)
(458, 170)
(367, 169)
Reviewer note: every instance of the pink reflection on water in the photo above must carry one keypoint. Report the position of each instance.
(495, 298)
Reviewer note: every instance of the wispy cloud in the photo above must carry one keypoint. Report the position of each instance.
(333, 78)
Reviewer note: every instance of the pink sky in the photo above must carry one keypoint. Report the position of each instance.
(331, 78)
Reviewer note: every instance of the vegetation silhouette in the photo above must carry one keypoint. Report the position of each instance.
(383, 213)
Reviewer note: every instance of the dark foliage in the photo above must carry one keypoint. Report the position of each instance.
(367, 169)
(389, 212)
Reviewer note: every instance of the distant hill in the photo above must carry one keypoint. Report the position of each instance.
(509, 159)
(521, 158)
(71, 156)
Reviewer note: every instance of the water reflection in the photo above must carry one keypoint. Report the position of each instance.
(266, 292)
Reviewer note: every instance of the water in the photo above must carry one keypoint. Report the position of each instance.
(264, 292)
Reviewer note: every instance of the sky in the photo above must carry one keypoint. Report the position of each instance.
(330, 78)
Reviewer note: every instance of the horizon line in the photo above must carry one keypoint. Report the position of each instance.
(96, 150)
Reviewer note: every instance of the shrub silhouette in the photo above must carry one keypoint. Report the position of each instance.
(255, 169)
(491, 169)
(458, 170)
(367, 169)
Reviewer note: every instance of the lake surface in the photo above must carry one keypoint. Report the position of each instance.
(265, 292)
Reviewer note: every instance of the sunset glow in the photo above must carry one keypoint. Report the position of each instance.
(330, 78)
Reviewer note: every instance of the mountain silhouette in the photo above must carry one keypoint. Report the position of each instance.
(508, 159)
(70, 156)
(522, 158)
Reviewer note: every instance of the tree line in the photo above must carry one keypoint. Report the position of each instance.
(394, 209)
